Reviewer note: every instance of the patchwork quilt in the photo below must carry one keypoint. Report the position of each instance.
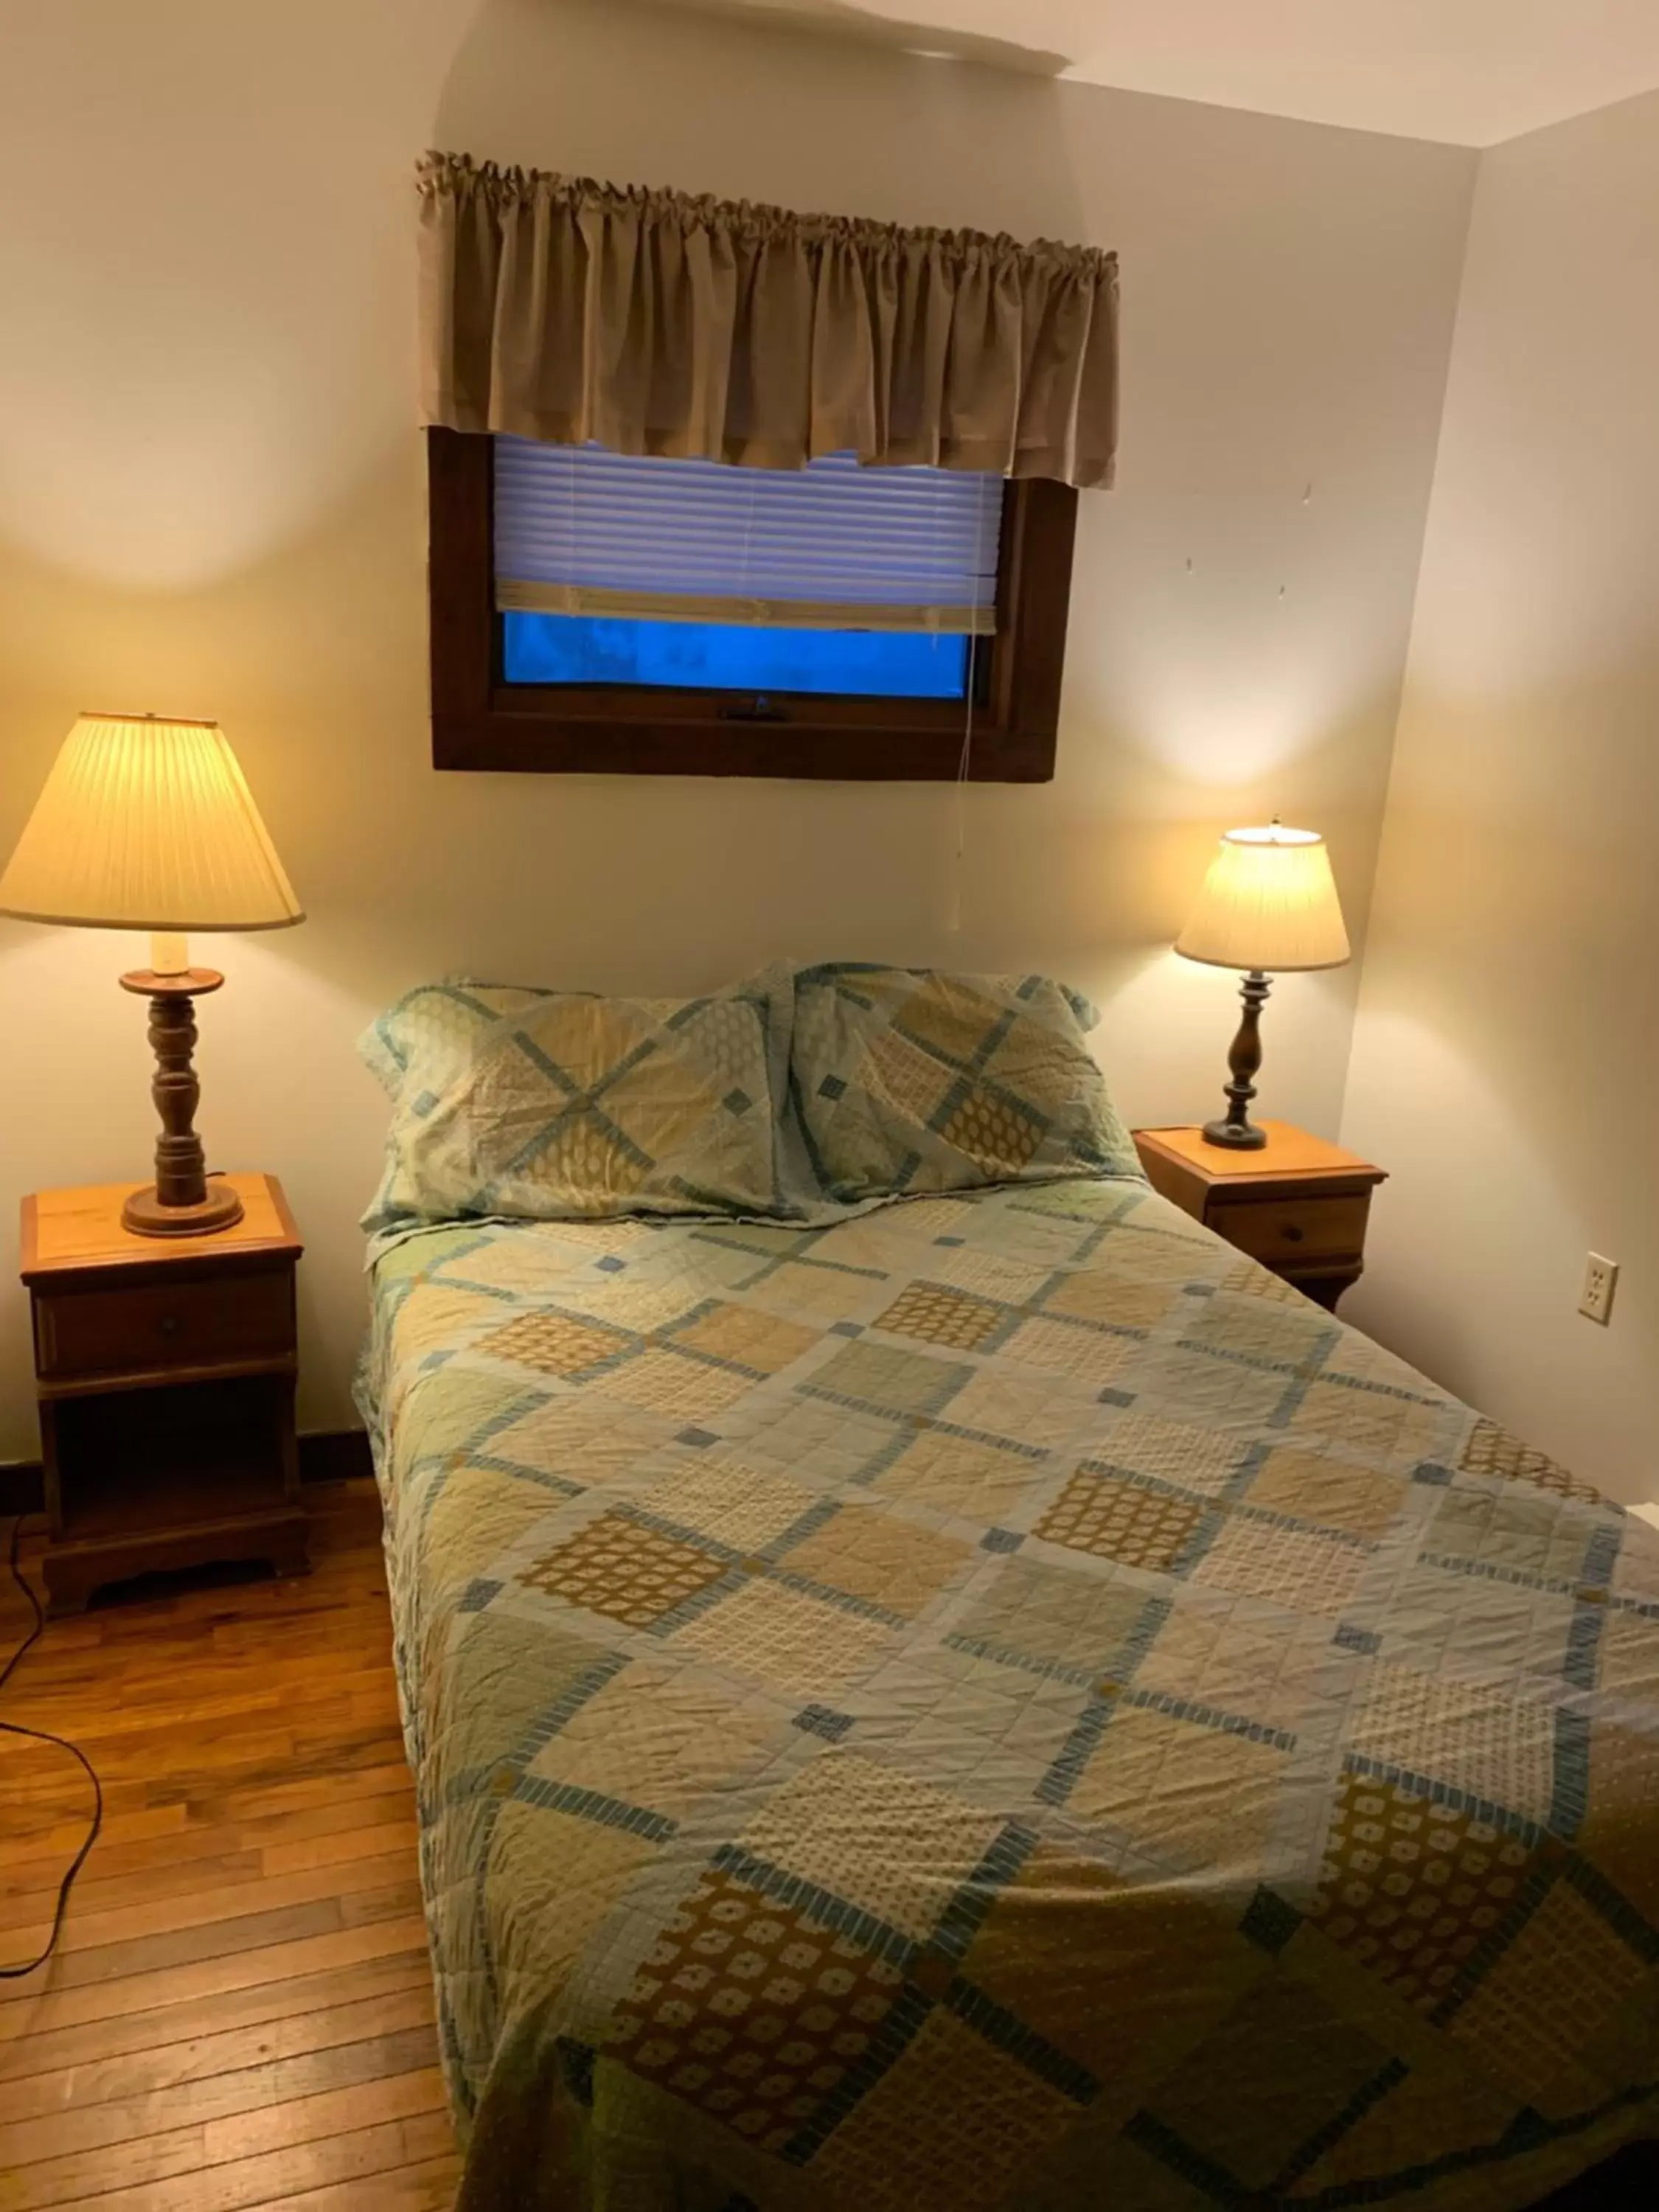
(1001, 1703)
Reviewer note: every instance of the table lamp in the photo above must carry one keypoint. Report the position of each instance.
(145, 823)
(1268, 906)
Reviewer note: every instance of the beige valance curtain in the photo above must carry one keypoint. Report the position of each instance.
(650, 322)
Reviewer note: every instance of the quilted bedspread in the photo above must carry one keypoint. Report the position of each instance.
(997, 1702)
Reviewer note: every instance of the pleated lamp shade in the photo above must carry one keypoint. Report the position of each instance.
(146, 822)
(1268, 902)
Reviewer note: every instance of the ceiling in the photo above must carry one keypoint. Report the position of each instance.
(1470, 71)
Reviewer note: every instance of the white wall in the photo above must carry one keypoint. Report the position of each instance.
(211, 503)
(1506, 1053)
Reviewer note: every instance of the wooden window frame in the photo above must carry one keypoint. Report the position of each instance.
(480, 721)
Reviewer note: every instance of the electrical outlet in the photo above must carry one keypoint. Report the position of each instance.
(1600, 1280)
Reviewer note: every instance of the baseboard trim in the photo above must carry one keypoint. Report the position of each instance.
(330, 1455)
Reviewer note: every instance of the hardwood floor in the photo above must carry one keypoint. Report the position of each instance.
(239, 2012)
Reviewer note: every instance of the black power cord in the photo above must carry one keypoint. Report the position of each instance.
(41, 1735)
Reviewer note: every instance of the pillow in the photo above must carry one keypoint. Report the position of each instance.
(554, 1105)
(423, 1043)
(908, 1080)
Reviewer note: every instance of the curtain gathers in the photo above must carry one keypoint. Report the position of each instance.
(651, 322)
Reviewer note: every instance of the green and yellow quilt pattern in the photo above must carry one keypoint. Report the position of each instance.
(999, 1703)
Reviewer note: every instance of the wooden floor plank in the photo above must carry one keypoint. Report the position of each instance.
(111, 2078)
(239, 2013)
(307, 2074)
(158, 2159)
(257, 2133)
(339, 1845)
(355, 2168)
(55, 2006)
(67, 2054)
(428, 2187)
(110, 1962)
(134, 1713)
(183, 1906)
(28, 1893)
(64, 1837)
(175, 2176)
(311, 1793)
(298, 1839)
(120, 1754)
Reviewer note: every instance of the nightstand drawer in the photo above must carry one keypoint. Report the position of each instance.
(174, 1325)
(1284, 1232)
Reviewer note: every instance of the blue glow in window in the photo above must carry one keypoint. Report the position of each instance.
(730, 657)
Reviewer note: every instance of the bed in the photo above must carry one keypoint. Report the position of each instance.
(999, 1702)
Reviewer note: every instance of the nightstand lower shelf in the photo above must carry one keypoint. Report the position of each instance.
(169, 1477)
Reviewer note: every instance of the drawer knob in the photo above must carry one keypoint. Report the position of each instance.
(171, 1324)
(1292, 1233)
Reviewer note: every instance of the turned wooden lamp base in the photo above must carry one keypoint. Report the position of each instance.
(1236, 1131)
(147, 1213)
(180, 1202)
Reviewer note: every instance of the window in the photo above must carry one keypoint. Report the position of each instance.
(593, 612)
(755, 660)
(830, 580)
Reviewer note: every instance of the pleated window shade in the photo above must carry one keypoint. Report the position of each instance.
(579, 531)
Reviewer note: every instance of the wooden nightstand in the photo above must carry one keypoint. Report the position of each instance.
(1300, 1205)
(165, 1371)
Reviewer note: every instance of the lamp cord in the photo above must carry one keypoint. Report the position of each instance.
(44, 1735)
